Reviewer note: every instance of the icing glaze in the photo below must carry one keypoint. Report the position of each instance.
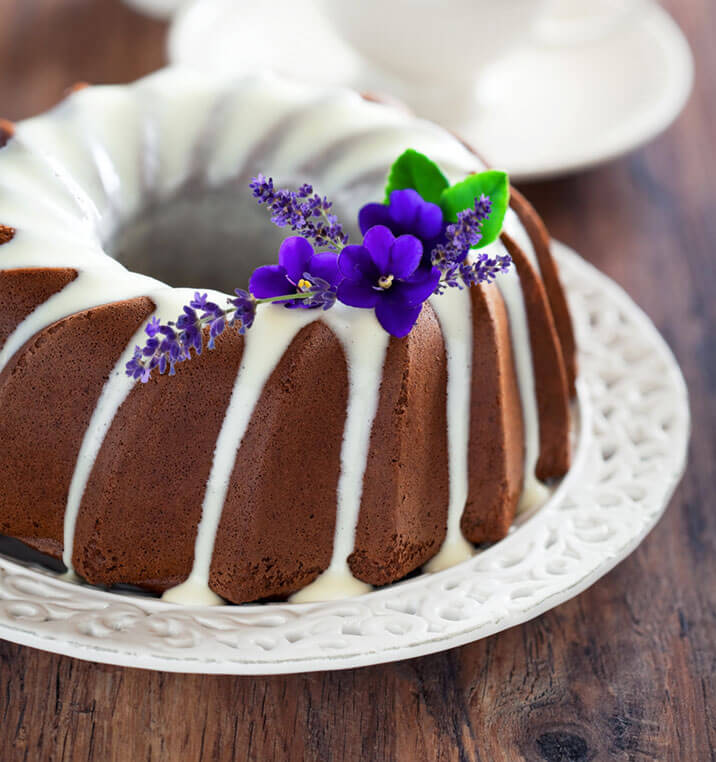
(72, 177)
(365, 344)
(454, 315)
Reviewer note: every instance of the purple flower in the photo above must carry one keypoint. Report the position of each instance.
(384, 274)
(303, 211)
(406, 213)
(300, 270)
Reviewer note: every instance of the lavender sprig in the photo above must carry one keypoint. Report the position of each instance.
(463, 235)
(172, 343)
(450, 257)
(303, 211)
(482, 269)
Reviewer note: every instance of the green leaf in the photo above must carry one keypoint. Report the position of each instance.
(462, 196)
(414, 170)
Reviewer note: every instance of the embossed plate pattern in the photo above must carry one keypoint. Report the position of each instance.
(630, 452)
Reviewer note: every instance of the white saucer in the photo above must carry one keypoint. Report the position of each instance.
(551, 110)
(547, 110)
(630, 451)
(159, 9)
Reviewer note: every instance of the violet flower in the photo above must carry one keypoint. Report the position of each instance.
(406, 213)
(384, 274)
(300, 270)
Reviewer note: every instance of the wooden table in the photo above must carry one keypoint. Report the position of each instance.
(625, 671)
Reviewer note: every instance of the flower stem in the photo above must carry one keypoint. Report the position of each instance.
(287, 297)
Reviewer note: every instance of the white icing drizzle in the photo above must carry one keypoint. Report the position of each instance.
(454, 313)
(31, 196)
(90, 288)
(514, 228)
(264, 346)
(365, 344)
(54, 136)
(176, 104)
(107, 118)
(533, 492)
(168, 304)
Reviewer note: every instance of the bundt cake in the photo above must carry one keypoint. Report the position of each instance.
(313, 456)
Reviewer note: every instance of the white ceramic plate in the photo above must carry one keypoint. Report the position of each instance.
(546, 109)
(633, 426)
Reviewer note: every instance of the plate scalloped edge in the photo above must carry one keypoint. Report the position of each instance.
(635, 427)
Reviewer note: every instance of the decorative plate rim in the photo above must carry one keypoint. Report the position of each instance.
(630, 455)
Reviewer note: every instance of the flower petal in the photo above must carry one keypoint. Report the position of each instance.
(357, 294)
(405, 255)
(405, 207)
(378, 240)
(417, 289)
(325, 266)
(270, 280)
(356, 263)
(371, 215)
(430, 221)
(294, 255)
(396, 317)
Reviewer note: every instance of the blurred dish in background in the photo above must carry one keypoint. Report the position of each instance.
(160, 9)
(582, 86)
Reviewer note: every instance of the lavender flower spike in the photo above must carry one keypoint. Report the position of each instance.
(303, 211)
(463, 235)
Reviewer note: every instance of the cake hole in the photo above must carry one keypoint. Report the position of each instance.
(200, 238)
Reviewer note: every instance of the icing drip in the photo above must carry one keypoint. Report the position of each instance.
(533, 491)
(365, 344)
(514, 228)
(168, 303)
(89, 289)
(454, 314)
(264, 346)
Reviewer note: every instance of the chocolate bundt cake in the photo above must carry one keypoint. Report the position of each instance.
(316, 455)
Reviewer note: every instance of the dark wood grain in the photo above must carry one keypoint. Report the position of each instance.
(625, 671)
